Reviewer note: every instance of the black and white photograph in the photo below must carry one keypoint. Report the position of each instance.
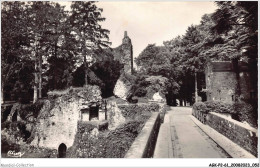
(164, 80)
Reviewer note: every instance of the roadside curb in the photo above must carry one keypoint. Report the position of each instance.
(234, 150)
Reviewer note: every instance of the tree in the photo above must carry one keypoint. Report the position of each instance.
(46, 19)
(46, 36)
(108, 70)
(192, 62)
(85, 18)
(14, 42)
(60, 47)
(160, 61)
(52, 39)
(238, 21)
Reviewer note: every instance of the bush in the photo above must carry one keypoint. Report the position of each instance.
(200, 107)
(120, 140)
(131, 111)
(219, 107)
(85, 127)
(16, 130)
(7, 145)
(147, 86)
(246, 112)
(31, 109)
(140, 92)
(108, 144)
(240, 111)
(214, 106)
(111, 143)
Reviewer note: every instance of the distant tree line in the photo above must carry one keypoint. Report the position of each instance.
(228, 34)
(44, 47)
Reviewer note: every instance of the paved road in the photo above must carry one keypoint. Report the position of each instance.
(180, 137)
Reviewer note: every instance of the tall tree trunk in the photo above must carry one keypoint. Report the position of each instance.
(55, 56)
(86, 71)
(85, 66)
(2, 93)
(40, 77)
(196, 88)
(35, 90)
(186, 90)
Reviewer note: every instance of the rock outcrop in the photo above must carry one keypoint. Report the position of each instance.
(115, 117)
(158, 98)
(123, 85)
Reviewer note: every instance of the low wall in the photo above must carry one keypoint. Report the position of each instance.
(144, 144)
(200, 116)
(243, 135)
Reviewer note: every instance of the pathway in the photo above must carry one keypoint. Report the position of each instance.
(180, 137)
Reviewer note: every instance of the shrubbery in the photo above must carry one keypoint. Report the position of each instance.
(17, 130)
(200, 107)
(112, 143)
(214, 106)
(31, 110)
(246, 112)
(240, 111)
(131, 111)
(146, 86)
(6, 145)
(107, 144)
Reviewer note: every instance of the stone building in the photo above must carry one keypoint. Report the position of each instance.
(124, 54)
(221, 81)
(58, 119)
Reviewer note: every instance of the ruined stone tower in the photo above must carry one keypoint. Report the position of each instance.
(124, 54)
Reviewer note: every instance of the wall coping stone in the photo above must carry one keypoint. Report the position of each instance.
(245, 126)
(139, 146)
(233, 149)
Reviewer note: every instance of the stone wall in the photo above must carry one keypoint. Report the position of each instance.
(240, 133)
(144, 144)
(221, 82)
(243, 135)
(58, 119)
(245, 85)
(220, 85)
(199, 115)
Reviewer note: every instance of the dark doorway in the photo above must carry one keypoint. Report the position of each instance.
(93, 111)
(62, 151)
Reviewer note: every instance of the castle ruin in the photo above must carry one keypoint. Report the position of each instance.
(124, 54)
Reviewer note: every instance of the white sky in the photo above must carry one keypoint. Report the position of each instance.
(150, 22)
